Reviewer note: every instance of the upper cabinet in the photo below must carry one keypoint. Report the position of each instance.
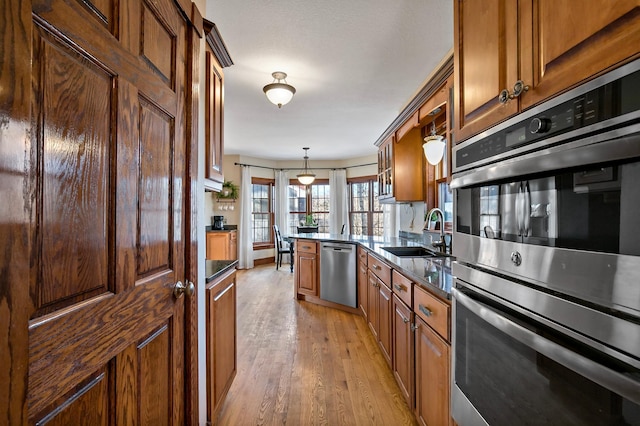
(404, 175)
(512, 55)
(217, 58)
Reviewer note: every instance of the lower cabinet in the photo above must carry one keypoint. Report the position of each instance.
(306, 268)
(403, 348)
(221, 340)
(379, 300)
(222, 245)
(432, 376)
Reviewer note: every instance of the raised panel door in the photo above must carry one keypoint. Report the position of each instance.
(403, 349)
(562, 44)
(432, 376)
(372, 296)
(363, 289)
(221, 341)
(307, 273)
(486, 62)
(214, 119)
(384, 321)
(106, 156)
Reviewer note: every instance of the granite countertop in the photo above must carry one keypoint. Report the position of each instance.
(215, 268)
(431, 273)
(227, 228)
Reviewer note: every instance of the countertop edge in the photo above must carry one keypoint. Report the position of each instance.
(216, 268)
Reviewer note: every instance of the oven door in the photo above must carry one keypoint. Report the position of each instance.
(511, 367)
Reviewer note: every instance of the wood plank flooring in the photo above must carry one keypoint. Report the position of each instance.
(303, 364)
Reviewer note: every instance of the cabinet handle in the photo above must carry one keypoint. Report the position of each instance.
(425, 310)
(399, 287)
(414, 327)
(405, 320)
(518, 89)
(376, 267)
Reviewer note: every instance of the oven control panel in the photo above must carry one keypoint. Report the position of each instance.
(610, 100)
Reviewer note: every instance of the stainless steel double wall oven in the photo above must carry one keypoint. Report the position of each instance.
(546, 303)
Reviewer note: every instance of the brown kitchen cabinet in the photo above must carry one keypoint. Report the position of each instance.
(306, 268)
(216, 58)
(549, 46)
(432, 358)
(379, 299)
(363, 282)
(400, 168)
(432, 368)
(221, 340)
(222, 245)
(403, 341)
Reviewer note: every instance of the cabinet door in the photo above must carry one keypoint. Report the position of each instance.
(384, 321)
(563, 43)
(432, 376)
(218, 246)
(486, 62)
(363, 288)
(307, 273)
(373, 303)
(221, 341)
(214, 119)
(403, 349)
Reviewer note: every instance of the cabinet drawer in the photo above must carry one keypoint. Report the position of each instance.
(432, 310)
(402, 287)
(362, 255)
(306, 246)
(381, 269)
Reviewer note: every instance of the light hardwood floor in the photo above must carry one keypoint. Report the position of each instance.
(304, 364)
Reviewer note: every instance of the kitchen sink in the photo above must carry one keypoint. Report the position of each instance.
(412, 252)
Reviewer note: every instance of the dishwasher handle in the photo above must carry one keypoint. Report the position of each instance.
(338, 247)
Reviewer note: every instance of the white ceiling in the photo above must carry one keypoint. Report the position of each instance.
(354, 63)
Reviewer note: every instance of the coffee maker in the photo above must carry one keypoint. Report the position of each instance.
(218, 222)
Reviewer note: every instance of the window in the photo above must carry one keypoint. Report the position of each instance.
(262, 192)
(365, 212)
(312, 200)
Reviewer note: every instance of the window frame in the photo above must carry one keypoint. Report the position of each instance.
(308, 196)
(373, 179)
(271, 183)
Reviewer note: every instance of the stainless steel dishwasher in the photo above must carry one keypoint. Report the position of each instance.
(338, 273)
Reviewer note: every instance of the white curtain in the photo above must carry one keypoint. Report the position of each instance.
(245, 240)
(282, 202)
(338, 201)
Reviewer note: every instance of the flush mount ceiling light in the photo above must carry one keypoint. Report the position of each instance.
(307, 176)
(434, 146)
(279, 93)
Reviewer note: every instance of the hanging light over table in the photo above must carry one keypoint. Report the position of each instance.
(307, 176)
(279, 93)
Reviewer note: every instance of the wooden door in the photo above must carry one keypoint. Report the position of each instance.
(562, 45)
(384, 321)
(222, 362)
(403, 349)
(307, 273)
(486, 62)
(100, 228)
(432, 376)
(373, 303)
(363, 289)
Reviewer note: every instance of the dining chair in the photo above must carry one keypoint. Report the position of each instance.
(282, 247)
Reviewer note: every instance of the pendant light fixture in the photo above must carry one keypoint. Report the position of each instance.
(279, 93)
(434, 146)
(307, 176)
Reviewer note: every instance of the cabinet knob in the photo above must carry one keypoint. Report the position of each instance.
(518, 89)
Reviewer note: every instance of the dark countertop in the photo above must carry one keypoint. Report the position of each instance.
(215, 268)
(227, 228)
(433, 274)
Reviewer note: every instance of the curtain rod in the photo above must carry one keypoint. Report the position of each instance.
(311, 168)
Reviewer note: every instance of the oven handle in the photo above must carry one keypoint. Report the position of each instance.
(519, 208)
(610, 379)
(526, 216)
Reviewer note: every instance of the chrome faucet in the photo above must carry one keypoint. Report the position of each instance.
(440, 244)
